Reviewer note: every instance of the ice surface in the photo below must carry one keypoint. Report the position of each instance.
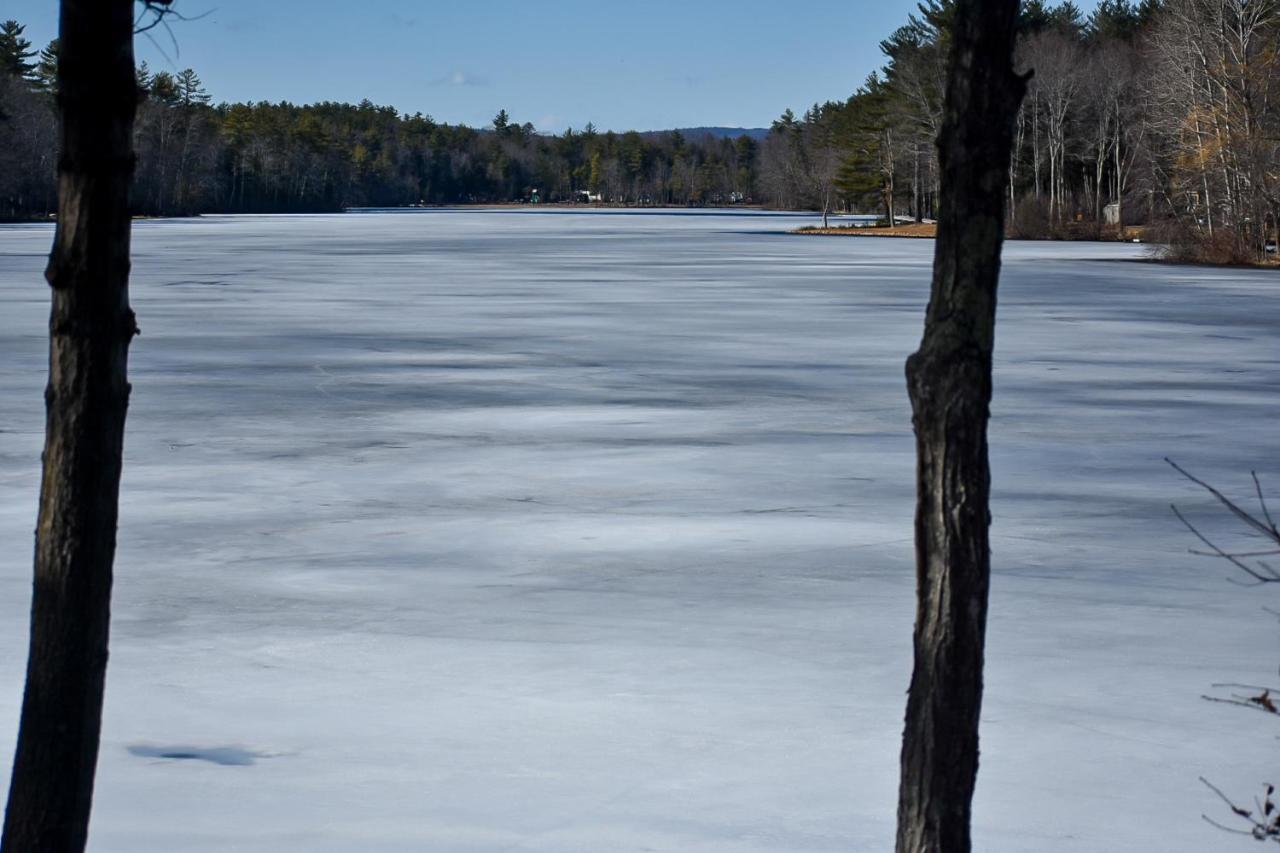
(569, 533)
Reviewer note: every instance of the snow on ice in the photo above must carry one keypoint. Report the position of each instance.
(489, 531)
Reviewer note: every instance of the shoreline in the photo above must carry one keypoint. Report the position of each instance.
(905, 231)
(908, 231)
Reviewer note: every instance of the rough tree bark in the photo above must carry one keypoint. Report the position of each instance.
(90, 328)
(949, 380)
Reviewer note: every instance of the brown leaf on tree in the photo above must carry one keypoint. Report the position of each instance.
(1264, 701)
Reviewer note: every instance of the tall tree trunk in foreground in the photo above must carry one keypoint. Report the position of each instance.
(90, 327)
(949, 380)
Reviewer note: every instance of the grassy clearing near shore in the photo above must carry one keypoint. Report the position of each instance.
(911, 229)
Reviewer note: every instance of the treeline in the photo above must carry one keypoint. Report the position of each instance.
(1161, 113)
(1164, 113)
(195, 156)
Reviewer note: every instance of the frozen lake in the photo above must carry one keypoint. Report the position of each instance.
(566, 533)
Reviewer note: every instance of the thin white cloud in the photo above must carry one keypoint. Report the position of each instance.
(460, 78)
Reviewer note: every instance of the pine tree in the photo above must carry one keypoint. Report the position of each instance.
(164, 88)
(189, 88)
(866, 170)
(1067, 17)
(15, 51)
(142, 74)
(1113, 19)
(1034, 16)
(501, 123)
(46, 71)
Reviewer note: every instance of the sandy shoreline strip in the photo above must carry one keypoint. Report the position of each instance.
(912, 229)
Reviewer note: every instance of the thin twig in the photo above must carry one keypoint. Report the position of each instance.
(1258, 576)
(1266, 513)
(1248, 687)
(1239, 553)
(1224, 827)
(1242, 703)
(1224, 798)
(1225, 501)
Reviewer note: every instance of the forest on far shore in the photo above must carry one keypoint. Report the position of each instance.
(1163, 113)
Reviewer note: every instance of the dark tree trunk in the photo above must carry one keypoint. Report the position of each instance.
(90, 327)
(949, 380)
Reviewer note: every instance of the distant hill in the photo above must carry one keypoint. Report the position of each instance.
(717, 132)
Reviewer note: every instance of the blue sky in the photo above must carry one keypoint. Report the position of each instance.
(556, 63)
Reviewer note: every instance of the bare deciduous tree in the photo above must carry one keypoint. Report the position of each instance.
(1217, 106)
(1058, 61)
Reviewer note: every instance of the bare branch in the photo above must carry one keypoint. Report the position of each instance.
(1237, 553)
(1224, 827)
(157, 10)
(1268, 531)
(1262, 501)
(1262, 828)
(1238, 702)
(1260, 571)
(1271, 577)
(1248, 687)
(155, 13)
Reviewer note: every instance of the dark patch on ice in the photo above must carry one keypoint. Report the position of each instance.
(659, 402)
(657, 441)
(198, 282)
(798, 510)
(227, 756)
